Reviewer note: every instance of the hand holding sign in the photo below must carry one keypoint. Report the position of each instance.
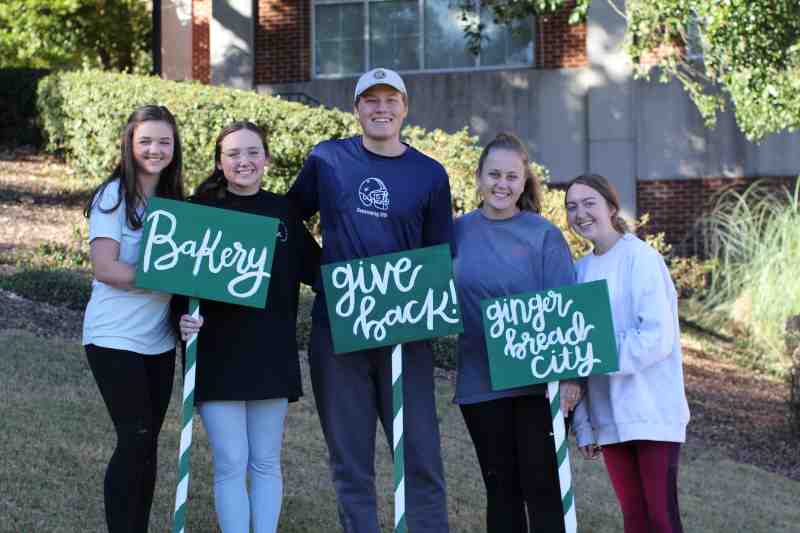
(190, 325)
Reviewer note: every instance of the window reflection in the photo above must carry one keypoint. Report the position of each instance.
(410, 35)
(394, 34)
(339, 38)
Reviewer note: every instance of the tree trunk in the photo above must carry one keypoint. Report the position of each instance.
(793, 351)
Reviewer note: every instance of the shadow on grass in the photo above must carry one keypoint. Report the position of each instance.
(48, 197)
(62, 287)
(703, 330)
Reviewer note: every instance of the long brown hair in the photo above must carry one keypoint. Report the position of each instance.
(170, 181)
(215, 185)
(607, 191)
(531, 197)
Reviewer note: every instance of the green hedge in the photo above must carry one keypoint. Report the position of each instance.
(82, 114)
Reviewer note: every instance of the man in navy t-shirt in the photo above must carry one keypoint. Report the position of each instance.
(376, 195)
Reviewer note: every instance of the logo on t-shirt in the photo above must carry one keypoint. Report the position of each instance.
(373, 195)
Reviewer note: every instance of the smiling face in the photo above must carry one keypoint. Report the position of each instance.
(243, 160)
(381, 111)
(590, 216)
(153, 148)
(501, 181)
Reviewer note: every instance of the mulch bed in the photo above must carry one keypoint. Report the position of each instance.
(744, 415)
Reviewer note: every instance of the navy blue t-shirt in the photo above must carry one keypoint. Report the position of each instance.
(371, 204)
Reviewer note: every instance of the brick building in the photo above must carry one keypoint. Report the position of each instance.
(568, 91)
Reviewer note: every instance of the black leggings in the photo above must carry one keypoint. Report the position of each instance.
(513, 441)
(136, 389)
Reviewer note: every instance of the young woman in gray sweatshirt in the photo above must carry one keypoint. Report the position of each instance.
(506, 247)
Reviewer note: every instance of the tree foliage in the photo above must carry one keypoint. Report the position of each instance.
(746, 52)
(750, 53)
(106, 34)
(509, 11)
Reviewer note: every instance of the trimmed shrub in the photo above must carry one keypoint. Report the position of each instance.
(83, 113)
(793, 376)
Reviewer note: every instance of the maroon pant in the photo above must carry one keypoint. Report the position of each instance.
(645, 477)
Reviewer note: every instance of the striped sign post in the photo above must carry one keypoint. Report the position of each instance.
(182, 491)
(397, 432)
(562, 458)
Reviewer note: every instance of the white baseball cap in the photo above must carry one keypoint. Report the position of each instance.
(379, 76)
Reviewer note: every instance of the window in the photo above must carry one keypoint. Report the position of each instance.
(351, 37)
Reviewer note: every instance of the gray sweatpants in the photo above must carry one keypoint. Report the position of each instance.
(354, 390)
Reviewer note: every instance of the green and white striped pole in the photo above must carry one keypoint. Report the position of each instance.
(181, 493)
(562, 458)
(397, 432)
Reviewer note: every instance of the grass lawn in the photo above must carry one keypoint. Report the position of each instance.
(57, 438)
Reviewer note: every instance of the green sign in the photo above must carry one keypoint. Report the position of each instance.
(206, 252)
(550, 335)
(391, 299)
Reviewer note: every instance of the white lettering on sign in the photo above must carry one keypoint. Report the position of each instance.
(555, 351)
(401, 275)
(249, 264)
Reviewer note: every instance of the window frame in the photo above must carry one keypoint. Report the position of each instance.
(420, 48)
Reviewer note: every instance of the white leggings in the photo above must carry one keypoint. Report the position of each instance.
(246, 437)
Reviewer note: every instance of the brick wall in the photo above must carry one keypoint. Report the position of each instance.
(675, 205)
(559, 43)
(652, 58)
(201, 60)
(283, 41)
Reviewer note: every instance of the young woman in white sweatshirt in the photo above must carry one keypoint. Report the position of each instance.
(637, 416)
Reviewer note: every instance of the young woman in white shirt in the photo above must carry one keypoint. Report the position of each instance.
(127, 335)
(635, 417)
